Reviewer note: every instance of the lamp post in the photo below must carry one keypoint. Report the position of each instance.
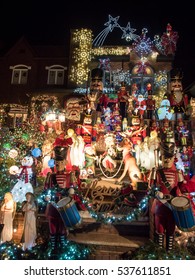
(54, 120)
(50, 116)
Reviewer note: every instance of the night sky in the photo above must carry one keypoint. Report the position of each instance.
(49, 22)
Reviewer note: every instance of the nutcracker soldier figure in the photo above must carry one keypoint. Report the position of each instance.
(96, 84)
(123, 95)
(165, 181)
(58, 181)
(96, 90)
(150, 105)
(178, 100)
(137, 130)
(87, 127)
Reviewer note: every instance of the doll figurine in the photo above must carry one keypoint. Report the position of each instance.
(29, 209)
(8, 210)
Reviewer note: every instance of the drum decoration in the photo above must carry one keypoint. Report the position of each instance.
(69, 212)
(183, 214)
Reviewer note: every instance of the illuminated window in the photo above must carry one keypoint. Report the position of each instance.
(19, 74)
(55, 74)
(142, 76)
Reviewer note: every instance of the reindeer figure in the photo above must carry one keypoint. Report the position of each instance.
(129, 162)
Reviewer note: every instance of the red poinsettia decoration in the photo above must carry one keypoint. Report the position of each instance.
(104, 63)
(169, 40)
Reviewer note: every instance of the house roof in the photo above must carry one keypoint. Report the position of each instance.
(40, 51)
(50, 51)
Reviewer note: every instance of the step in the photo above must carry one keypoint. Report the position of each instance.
(137, 227)
(109, 241)
(108, 246)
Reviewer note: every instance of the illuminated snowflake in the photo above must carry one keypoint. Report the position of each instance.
(143, 45)
(161, 79)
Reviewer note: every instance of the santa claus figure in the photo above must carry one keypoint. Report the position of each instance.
(140, 104)
(110, 154)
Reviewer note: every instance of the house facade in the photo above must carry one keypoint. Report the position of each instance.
(43, 73)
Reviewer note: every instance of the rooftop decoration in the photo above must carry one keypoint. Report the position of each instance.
(166, 44)
(82, 55)
(128, 32)
(85, 48)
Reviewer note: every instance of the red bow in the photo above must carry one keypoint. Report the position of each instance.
(25, 173)
(105, 63)
(142, 67)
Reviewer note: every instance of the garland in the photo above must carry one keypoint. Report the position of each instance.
(108, 218)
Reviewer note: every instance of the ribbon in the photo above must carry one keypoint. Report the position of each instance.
(24, 172)
(104, 63)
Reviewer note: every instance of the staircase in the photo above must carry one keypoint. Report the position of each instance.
(108, 241)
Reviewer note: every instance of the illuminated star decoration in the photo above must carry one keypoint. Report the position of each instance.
(143, 45)
(111, 24)
(128, 33)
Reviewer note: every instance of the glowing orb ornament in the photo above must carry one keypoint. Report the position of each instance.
(13, 153)
(51, 162)
(25, 136)
(14, 170)
(7, 146)
(36, 152)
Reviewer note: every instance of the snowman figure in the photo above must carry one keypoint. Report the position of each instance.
(164, 111)
(24, 180)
